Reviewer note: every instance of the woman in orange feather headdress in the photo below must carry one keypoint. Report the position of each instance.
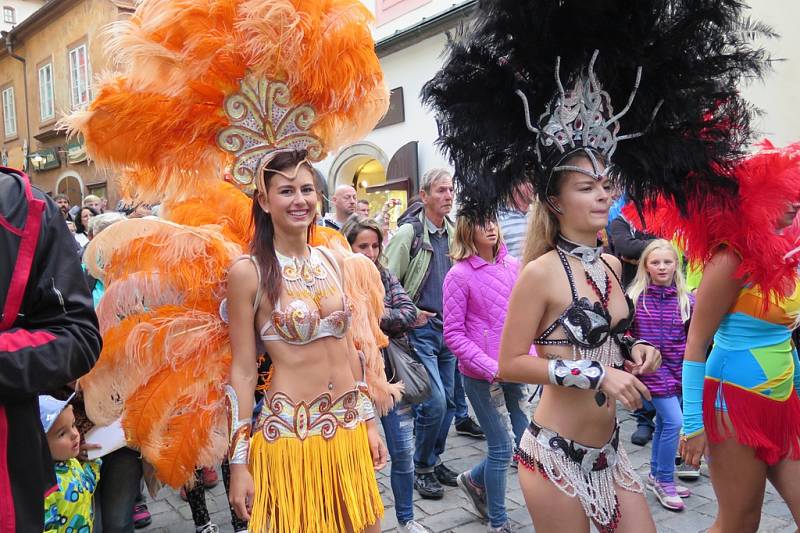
(265, 88)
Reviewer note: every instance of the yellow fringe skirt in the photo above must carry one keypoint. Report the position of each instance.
(315, 484)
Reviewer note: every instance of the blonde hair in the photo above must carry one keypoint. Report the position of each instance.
(542, 232)
(642, 279)
(464, 240)
(91, 198)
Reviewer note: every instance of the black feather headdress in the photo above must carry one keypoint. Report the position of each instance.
(670, 69)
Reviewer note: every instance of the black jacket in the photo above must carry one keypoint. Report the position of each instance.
(48, 337)
(628, 244)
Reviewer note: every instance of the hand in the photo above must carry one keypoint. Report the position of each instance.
(242, 491)
(693, 449)
(646, 360)
(423, 317)
(624, 387)
(83, 454)
(376, 447)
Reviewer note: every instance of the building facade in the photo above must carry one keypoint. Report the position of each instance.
(410, 38)
(46, 70)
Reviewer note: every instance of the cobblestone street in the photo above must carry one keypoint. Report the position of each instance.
(453, 512)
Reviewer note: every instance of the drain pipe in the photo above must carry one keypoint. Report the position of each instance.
(10, 49)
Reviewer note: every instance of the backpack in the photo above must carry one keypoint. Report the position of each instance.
(411, 216)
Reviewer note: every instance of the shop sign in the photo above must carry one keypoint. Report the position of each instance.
(76, 151)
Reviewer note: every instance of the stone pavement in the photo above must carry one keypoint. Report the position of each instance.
(454, 514)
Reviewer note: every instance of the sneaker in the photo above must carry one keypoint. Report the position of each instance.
(686, 471)
(184, 497)
(470, 428)
(505, 528)
(445, 475)
(476, 495)
(141, 516)
(210, 478)
(428, 486)
(667, 496)
(683, 492)
(412, 526)
(642, 435)
(208, 528)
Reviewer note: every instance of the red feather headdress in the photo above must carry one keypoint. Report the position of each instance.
(745, 221)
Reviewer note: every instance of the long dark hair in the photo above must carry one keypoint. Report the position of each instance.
(262, 247)
(79, 227)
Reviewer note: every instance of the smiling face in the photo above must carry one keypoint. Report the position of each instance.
(63, 438)
(661, 265)
(583, 201)
(291, 202)
(367, 243)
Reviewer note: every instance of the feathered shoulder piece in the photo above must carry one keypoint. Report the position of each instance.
(768, 184)
(649, 88)
(201, 84)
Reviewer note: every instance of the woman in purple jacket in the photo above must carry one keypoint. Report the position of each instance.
(476, 292)
(663, 309)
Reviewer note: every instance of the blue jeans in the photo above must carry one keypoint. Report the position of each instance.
(398, 426)
(460, 398)
(499, 410)
(645, 414)
(117, 491)
(434, 415)
(665, 439)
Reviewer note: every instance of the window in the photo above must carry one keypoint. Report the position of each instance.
(9, 16)
(46, 105)
(79, 76)
(9, 112)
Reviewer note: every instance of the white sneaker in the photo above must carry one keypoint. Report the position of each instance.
(667, 496)
(682, 491)
(505, 528)
(412, 526)
(208, 528)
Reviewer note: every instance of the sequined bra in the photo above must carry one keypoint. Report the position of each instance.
(298, 322)
(586, 324)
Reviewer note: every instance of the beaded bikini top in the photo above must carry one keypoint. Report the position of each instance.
(298, 322)
(587, 325)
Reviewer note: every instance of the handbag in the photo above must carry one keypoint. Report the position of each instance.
(403, 364)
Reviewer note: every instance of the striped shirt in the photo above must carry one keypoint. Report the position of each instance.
(514, 226)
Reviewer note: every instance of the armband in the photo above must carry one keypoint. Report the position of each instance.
(693, 377)
(580, 374)
(239, 430)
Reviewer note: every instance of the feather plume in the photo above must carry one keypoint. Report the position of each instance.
(768, 181)
(693, 55)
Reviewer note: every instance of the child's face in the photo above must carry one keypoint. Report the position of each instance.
(661, 267)
(63, 438)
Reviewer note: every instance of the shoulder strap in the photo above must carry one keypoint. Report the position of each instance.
(253, 260)
(568, 270)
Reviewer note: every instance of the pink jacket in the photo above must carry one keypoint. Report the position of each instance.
(476, 296)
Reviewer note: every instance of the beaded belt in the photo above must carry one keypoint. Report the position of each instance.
(282, 417)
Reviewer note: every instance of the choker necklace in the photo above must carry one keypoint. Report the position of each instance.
(593, 266)
(305, 277)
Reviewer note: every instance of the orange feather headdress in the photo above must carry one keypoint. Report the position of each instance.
(270, 74)
(201, 86)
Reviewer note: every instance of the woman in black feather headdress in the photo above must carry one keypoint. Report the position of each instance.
(526, 95)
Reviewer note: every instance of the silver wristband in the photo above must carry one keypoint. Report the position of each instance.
(580, 374)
